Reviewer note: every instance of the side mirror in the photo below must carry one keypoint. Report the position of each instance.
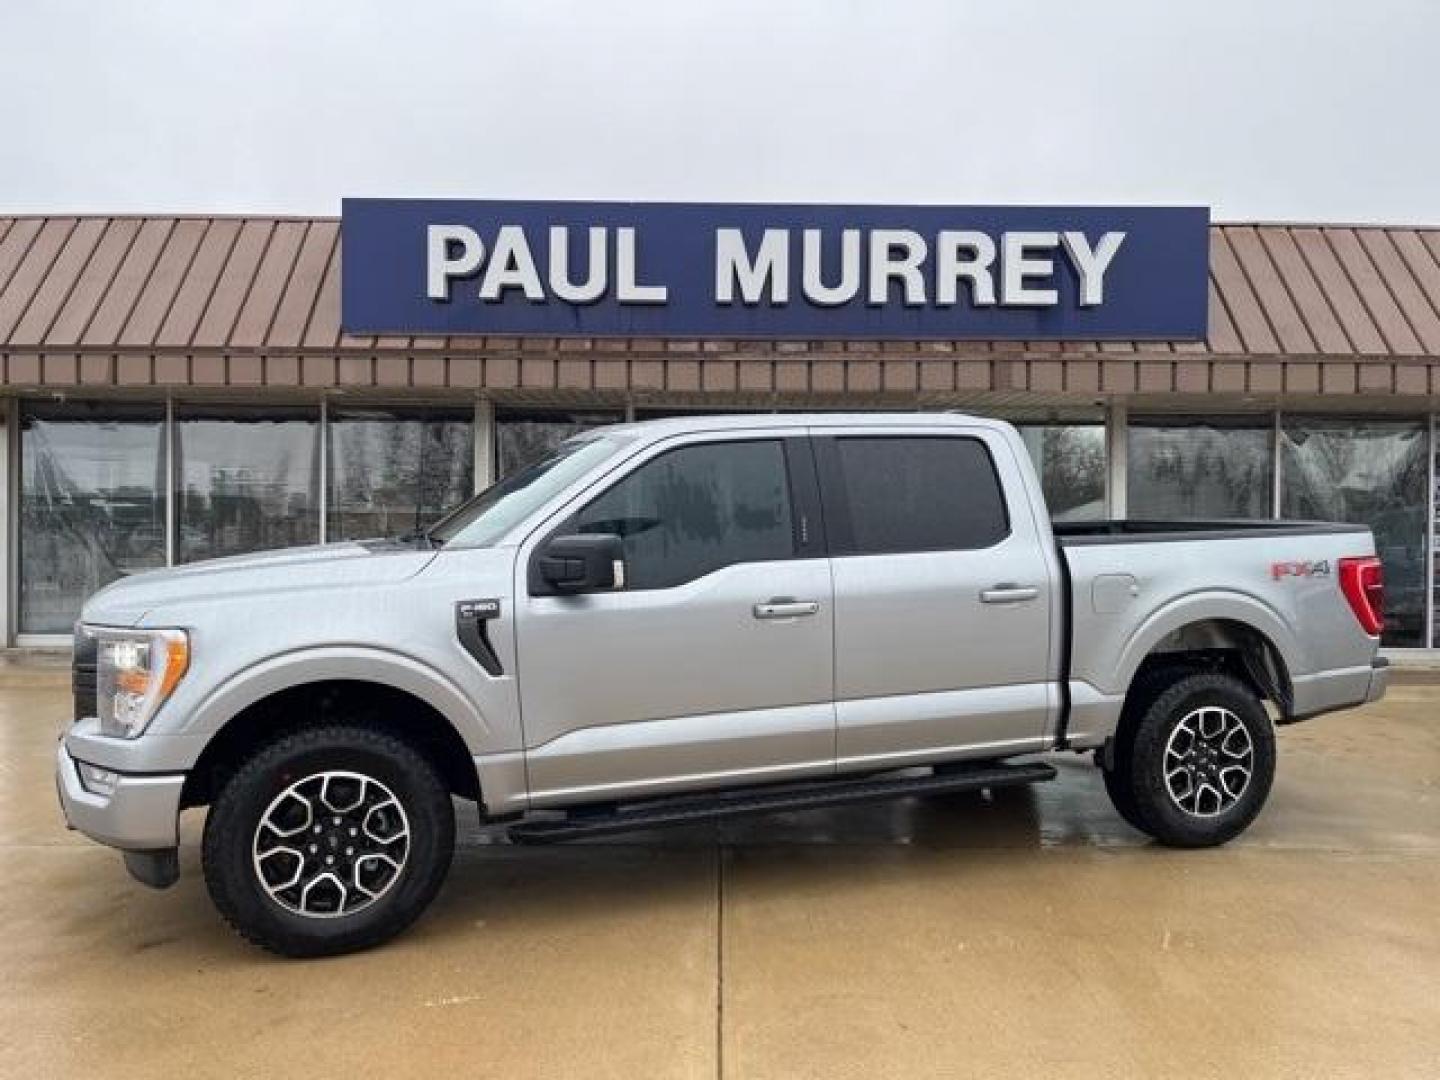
(582, 562)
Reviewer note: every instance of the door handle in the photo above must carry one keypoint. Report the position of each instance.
(782, 607)
(1007, 593)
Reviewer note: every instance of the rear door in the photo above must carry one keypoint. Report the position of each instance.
(942, 596)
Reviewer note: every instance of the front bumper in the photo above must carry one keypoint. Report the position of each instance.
(141, 813)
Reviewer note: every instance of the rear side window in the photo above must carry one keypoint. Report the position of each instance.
(890, 494)
(696, 509)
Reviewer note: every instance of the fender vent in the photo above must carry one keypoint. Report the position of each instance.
(472, 618)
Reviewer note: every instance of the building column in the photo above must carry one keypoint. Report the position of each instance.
(484, 444)
(10, 503)
(1276, 463)
(1117, 432)
(171, 481)
(324, 436)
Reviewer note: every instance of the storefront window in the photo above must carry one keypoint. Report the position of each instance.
(93, 483)
(1213, 468)
(1070, 459)
(1434, 539)
(247, 479)
(92, 505)
(525, 436)
(1372, 473)
(392, 471)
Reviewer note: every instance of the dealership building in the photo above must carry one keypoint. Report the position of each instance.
(180, 388)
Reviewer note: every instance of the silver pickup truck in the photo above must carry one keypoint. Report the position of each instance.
(690, 619)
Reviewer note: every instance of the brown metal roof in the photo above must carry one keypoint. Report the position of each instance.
(267, 284)
(1296, 311)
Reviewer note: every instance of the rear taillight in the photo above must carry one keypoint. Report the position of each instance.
(1362, 580)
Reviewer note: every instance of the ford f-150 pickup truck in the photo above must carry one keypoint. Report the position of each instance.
(690, 619)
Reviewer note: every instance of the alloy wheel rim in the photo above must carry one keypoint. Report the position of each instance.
(1209, 761)
(331, 844)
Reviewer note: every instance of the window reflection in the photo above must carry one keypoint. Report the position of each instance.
(1188, 468)
(1372, 473)
(393, 471)
(525, 436)
(93, 483)
(246, 480)
(1070, 459)
(92, 506)
(694, 510)
(1434, 541)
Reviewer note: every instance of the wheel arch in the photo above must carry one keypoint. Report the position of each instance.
(1232, 645)
(379, 689)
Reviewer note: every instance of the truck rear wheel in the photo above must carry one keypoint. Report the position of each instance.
(1196, 767)
(1149, 684)
(328, 840)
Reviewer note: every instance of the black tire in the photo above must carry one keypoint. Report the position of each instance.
(1214, 793)
(1149, 685)
(423, 839)
(1121, 797)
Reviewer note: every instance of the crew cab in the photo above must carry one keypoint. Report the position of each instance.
(686, 619)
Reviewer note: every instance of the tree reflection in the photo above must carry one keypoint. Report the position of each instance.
(1070, 459)
(1371, 473)
(394, 471)
(1193, 469)
(91, 508)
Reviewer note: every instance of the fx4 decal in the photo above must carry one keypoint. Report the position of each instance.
(1306, 569)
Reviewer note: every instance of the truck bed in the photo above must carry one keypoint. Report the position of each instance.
(1132, 583)
(1130, 531)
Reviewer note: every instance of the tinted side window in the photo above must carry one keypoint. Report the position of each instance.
(696, 509)
(890, 494)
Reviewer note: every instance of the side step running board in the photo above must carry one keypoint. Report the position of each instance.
(689, 809)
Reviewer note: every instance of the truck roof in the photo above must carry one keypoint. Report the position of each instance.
(739, 421)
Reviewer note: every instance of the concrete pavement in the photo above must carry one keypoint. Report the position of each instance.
(1028, 934)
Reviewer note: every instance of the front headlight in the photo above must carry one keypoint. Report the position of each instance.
(137, 670)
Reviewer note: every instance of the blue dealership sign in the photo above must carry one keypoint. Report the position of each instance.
(454, 267)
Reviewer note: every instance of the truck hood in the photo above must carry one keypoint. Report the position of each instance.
(370, 562)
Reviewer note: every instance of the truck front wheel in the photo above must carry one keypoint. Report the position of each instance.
(328, 840)
(1196, 767)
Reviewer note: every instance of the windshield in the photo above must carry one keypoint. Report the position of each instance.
(495, 511)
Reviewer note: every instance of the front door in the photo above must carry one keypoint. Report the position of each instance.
(943, 597)
(714, 663)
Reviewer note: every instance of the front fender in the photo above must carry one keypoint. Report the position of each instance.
(351, 663)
